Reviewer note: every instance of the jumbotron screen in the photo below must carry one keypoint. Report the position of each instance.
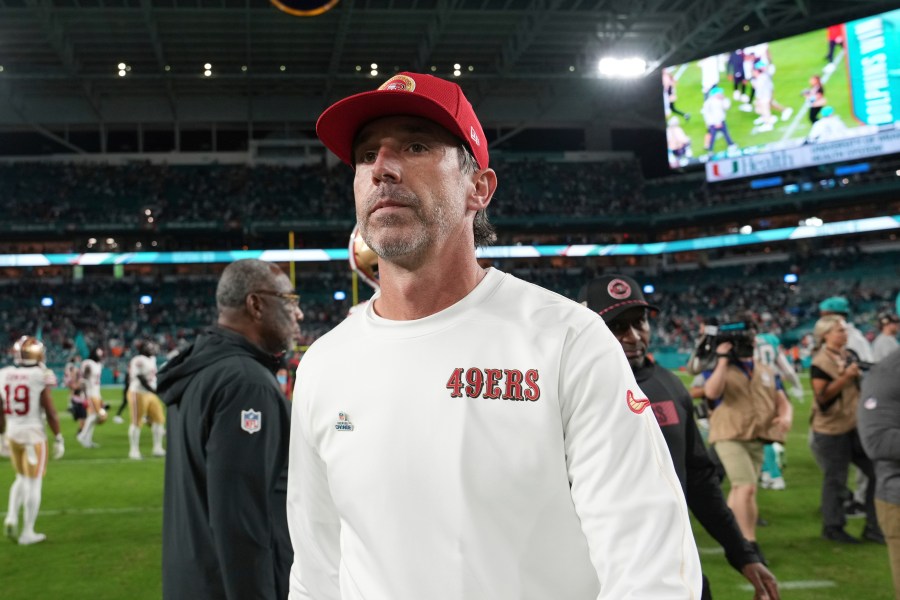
(826, 96)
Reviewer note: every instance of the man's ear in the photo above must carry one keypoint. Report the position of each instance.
(253, 306)
(485, 184)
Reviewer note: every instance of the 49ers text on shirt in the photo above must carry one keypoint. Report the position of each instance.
(495, 384)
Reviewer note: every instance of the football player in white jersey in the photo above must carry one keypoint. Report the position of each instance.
(25, 394)
(4, 447)
(143, 401)
(91, 369)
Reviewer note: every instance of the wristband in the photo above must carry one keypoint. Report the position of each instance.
(720, 355)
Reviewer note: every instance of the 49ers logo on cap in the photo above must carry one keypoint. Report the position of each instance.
(618, 289)
(399, 83)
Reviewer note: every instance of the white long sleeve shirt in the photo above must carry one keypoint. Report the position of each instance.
(498, 449)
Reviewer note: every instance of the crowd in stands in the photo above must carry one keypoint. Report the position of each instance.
(109, 311)
(92, 194)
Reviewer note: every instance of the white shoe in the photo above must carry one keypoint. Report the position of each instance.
(786, 113)
(26, 539)
(759, 120)
(118, 420)
(736, 95)
(10, 529)
(135, 456)
(745, 108)
(159, 452)
(765, 128)
(745, 99)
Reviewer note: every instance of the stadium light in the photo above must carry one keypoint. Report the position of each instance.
(791, 278)
(622, 67)
(746, 230)
(649, 289)
(340, 295)
(46, 301)
(146, 299)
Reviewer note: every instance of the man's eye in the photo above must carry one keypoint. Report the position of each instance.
(367, 156)
(417, 148)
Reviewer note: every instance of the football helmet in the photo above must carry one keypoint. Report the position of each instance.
(28, 351)
(363, 259)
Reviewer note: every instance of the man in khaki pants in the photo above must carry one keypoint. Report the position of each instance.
(879, 429)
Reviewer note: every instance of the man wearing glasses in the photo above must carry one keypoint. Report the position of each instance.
(224, 524)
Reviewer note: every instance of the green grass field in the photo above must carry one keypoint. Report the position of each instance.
(102, 514)
(796, 60)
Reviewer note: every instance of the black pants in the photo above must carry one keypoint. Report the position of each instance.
(834, 454)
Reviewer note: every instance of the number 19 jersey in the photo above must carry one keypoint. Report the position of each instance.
(20, 389)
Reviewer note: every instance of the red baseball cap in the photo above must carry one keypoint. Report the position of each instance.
(405, 93)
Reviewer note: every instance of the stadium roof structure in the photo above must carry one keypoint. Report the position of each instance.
(525, 64)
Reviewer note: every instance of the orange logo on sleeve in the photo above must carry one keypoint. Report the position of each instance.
(637, 405)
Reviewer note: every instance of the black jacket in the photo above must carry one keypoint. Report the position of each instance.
(224, 513)
(673, 408)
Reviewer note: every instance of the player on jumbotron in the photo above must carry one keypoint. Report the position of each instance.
(25, 395)
(143, 401)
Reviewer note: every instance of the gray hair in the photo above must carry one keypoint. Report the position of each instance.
(485, 234)
(242, 277)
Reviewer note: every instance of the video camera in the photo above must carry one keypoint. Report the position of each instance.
(853, 358)
(741, 334)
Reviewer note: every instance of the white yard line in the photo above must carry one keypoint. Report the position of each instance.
(812, 584)
(106, 461)
(98, 511)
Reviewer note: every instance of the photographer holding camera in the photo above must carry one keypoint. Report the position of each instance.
(752, 409)
(835, 443)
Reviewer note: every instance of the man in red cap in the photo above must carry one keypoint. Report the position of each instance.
(621, 302)
(467, 434)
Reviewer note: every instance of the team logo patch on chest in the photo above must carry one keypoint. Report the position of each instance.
(666, 413)
(495, 384)
(343, 423)
(251, 420)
